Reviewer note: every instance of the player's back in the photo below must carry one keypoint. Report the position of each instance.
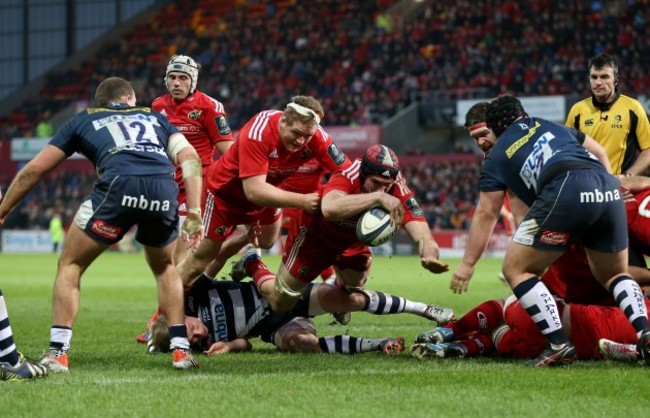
(119, 140)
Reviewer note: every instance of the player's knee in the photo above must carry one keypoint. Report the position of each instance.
(358, 299)
(303, 343)
(266, 243)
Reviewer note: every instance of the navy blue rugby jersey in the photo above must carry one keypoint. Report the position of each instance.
(530, 153)
(119, 140)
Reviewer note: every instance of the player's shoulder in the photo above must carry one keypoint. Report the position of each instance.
(160, 100)
(351, 172)
(260, 124)
(208, 102)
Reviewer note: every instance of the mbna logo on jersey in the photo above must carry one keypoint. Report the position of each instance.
(194, 114)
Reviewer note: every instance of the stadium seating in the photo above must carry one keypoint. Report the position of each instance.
(257, 54)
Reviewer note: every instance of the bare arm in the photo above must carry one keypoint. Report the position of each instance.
(32, 173)
(517, 207)
(222, 146)
(636, 184)
(427, 246)
(261, 193)
(599, 152)
(234, 346)
(485, 217)
(337, 205)
(641, 164)
(186, 156)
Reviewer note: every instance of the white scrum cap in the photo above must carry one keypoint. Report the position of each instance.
(184, 64)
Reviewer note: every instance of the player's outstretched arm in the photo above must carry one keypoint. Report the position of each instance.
(485, 217)
(427, 246)
(26, 179)
(234, 346)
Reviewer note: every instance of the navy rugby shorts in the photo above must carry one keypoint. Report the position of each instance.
(579, 205)
(116, 205)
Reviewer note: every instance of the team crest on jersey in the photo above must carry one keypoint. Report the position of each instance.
(589, 122)
(221, 230)
(303, 271)
(194, 114)
(222, 125)
(306, 154)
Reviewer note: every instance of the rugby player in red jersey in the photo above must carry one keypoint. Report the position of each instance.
(329, 237)
(243, 186)
(198, 116)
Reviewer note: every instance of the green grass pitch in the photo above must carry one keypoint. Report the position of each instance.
(112, 376)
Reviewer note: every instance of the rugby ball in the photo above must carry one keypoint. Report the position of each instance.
(374, 227)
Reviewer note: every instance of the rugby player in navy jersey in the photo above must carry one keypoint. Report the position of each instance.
(572, 197)
(223, 315)
(132, 149)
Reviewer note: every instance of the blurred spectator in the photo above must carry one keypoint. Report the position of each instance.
(44, 129)
(56, 229)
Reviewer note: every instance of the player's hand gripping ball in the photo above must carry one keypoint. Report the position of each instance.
(374, 227)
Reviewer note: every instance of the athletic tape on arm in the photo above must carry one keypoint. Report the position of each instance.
(176, 143)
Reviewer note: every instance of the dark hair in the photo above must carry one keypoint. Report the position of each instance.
(502, 112)
(604, 60)
(476, 114)
(379, 160)
(111, 90)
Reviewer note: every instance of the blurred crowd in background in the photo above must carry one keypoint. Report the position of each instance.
(361, 62)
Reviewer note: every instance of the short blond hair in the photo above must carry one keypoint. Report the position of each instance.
(291, 116)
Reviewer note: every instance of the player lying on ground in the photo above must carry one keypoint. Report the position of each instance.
(223, 315)
(503, 327)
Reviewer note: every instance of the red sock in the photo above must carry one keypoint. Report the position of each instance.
(478, 344)
(327, 273)
(258, 271)
(486, 316)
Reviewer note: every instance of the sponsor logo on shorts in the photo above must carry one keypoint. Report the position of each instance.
(141, 202)
(221, 230)
(304, 271)
(599, 197)
(105, 230)
(554, 238)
